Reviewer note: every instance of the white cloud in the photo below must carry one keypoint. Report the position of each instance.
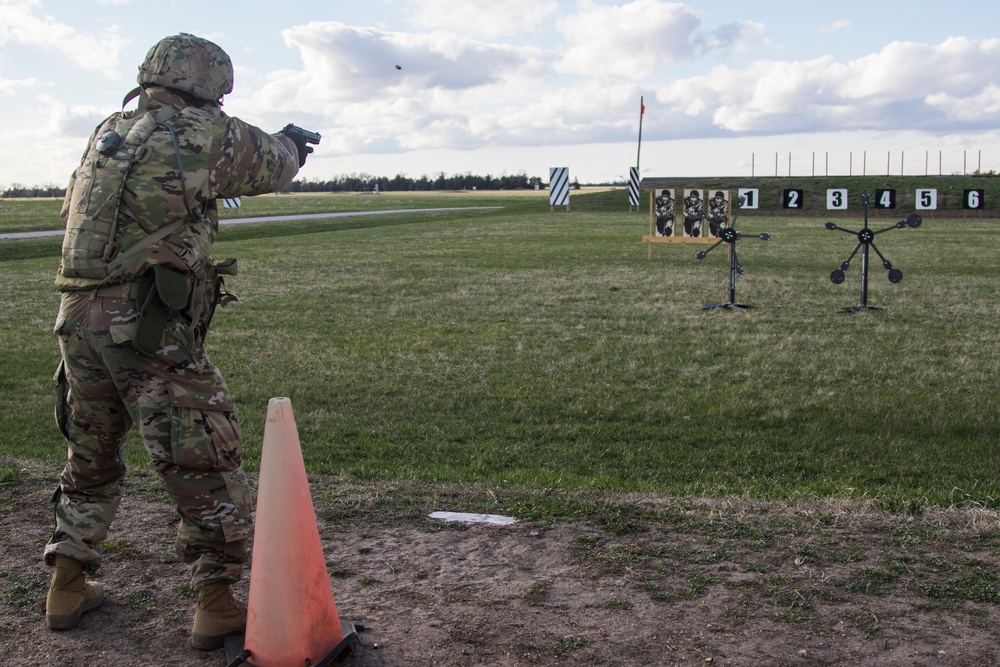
(985, 103)
(628, 40)
(449, 90)
(515, 76)
(836, 26)
(903, 86)
(15, 86)
(735, 37)
(643, 37)
(456, 92)
(481, 17)
(21, 25)
(69, 121)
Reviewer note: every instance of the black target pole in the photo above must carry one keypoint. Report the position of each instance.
(866, 242)
(864, 276)
(732, 273)
(729, 236)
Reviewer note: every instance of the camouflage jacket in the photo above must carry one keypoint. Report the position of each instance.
(120, 197)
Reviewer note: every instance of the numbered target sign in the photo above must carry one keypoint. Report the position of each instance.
(885, 199)
(793, 199)
(836, 199)
(975, 199)
(751, 197)
(926, 200)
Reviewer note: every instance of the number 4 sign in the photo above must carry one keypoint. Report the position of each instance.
(885, 199)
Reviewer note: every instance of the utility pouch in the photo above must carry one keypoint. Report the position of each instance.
(161, 288)
(152, 317)
(172, 287)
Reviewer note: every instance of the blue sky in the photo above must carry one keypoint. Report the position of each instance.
(730, 88)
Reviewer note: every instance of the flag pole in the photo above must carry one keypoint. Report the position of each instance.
(642, 111)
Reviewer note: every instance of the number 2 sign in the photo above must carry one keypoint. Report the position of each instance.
(793, 199)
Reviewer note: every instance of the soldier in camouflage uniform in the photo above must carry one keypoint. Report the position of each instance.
(139, 288)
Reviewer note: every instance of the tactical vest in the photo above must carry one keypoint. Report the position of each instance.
(90, 250)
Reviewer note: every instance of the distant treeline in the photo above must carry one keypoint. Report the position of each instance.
(351, 183)
(402, 183)
(17, 191)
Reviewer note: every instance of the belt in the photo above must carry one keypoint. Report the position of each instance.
(129, 290)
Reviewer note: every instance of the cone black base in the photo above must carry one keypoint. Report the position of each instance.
(235, 656)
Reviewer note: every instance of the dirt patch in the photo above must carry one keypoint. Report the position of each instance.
(581, 579)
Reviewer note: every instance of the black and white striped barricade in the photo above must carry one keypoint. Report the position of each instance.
(686, 215)
(232, 202)
(558, 187)
(633, 188)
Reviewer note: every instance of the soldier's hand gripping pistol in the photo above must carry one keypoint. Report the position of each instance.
(302, 139)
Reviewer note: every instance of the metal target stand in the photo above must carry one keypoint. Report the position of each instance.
(866, 239)
(729, 235)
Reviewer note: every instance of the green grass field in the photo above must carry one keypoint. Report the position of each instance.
(543, 349)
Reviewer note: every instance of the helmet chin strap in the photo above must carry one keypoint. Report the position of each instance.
(140, 92)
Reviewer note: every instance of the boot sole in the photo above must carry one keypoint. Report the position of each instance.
(71, 619)
(213, 642)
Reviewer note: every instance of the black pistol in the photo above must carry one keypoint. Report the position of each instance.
(308, 136)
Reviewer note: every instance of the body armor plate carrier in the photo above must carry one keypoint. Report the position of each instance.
(89, 247)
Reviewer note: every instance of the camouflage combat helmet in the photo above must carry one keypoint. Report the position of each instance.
(190, 64)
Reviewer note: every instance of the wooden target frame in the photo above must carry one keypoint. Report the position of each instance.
(689, 218)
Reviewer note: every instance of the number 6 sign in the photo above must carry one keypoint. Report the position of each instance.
(975, 199)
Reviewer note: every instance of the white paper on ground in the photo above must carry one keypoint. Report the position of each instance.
(467, 517)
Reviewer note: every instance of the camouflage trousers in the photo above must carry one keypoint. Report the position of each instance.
(185, 416)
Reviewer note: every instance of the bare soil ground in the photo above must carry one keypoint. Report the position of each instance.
(617, 580)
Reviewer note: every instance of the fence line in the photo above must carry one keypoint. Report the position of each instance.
(864, 164)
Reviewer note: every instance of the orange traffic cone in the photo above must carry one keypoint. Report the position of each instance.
(291, 618)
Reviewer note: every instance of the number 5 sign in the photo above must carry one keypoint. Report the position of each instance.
(927, 200)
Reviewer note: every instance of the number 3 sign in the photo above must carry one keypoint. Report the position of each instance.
(836, 199)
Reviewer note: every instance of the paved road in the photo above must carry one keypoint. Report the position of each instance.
(277, 218)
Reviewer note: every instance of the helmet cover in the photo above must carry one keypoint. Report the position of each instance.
(190, 64)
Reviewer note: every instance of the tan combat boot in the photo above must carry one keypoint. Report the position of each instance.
(219, 615)
(70, 595)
